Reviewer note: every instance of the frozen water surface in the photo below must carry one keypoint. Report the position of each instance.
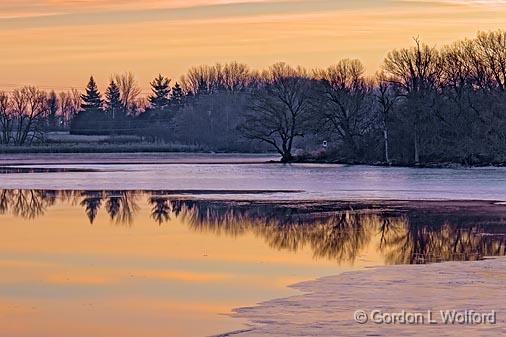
(252, 173)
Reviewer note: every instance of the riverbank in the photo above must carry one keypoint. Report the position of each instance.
(327, 305)
(164, 149)
(148, 158)
(486, 162)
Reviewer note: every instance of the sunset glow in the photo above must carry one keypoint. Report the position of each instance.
(57, 44)
(252, 168)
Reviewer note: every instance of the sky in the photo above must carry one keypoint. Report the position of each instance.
(58, 44)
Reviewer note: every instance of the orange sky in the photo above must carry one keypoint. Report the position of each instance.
(57, 44)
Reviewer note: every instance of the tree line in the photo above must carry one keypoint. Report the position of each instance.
(424, 105)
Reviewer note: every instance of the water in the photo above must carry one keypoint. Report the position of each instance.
(111, 263)
(148, 245)
(194, 173)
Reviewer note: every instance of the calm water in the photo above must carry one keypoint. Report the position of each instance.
(217, 174)
(126, 263)
(168, 245)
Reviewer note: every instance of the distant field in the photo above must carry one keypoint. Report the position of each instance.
(100, 148)
(63, 142)
(65, 137)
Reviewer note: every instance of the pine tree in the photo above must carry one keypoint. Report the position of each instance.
(177, 95)
(160, 98)
(92, 101)
(113, 101)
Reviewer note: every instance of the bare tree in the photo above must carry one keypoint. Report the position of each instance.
(75, 103)
(28, 108)
(204, 79)
(199, 80)
(386, 99)
(491, 48)
(52, 106)
(346, 105)
(6, 120)
(69, 105)
(280, 110)
(130, 91)
(65, 108)
(416, 72)
(236, 76)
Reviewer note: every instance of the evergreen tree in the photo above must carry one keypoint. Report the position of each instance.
(91, 119)
(113, 101)
(177, 95)
(92, 100)
(159, 99)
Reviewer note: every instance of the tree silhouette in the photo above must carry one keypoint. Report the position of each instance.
(160, 211)
(280, 110)
(121, 206)
(177, 96)
(92, 100)
(52, 105)
(114, 108)
(344, 96)
(91, 119)
(160, 88)
(92, 201)
(416, 72)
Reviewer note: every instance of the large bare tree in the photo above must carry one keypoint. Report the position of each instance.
(28, 109)
(386, 99)
(345, 104)
(6, 120)
(280, 110)
(416, 72)
(129, 90)
(205, 79)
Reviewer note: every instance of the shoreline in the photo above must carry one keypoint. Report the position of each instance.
(133, 158)
(474, 206)
(161, 153)
(326, 306)
(444, 164)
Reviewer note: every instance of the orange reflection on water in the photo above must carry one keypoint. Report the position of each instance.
(61, 276)
(84, 263)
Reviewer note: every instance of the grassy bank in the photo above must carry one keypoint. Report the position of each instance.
(101, 148)
(63, 142)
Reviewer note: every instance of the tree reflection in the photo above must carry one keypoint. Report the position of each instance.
(26, 203)
(338, 232)
(418, 244)
(121, 206)
(160, 208)
(91, 201)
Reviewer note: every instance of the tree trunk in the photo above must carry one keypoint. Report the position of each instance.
(287, 157)
(417, 150)
(287, 151)
(387, 156)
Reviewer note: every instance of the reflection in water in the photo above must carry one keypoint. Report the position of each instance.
(161, 209)
(91, 201)
(338, 231)
(26, 203)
